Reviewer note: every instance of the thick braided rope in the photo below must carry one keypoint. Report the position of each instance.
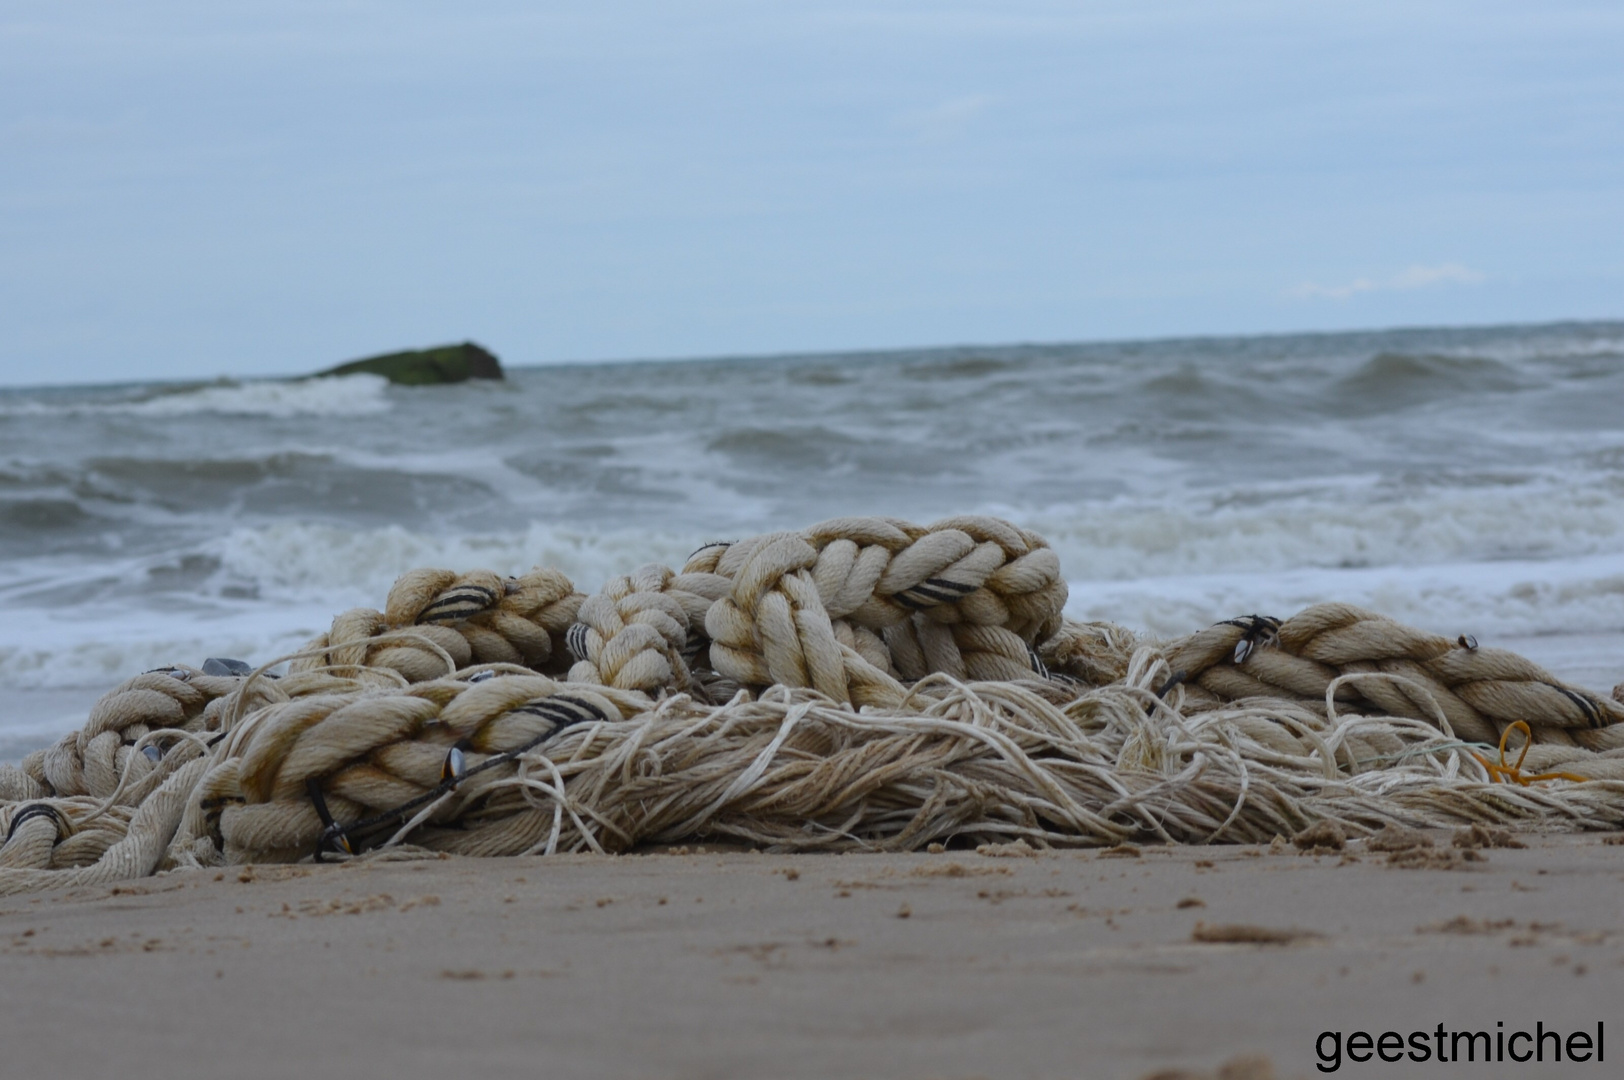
(1480, 691)
(368, 752)
(644, 630)
(606, 770)
(473, 618)
(93, 760)
(60, 834)
(854, 607)
(982, 761)
(1247, 727)
(136, 850)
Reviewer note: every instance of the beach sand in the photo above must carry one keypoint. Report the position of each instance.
(707, 963)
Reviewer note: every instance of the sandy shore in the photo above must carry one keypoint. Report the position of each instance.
(737, 964)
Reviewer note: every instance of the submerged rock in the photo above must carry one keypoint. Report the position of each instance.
(427, 367)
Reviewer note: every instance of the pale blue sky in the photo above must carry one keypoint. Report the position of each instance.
(265, 186)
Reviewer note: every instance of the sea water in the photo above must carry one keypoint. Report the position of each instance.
(1465, 480)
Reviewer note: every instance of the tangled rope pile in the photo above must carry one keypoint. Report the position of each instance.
(864, 684)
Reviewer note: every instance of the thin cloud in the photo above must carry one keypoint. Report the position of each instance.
(1414, 277)
(946, 120)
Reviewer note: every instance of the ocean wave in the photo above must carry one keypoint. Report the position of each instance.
(62, 648)
(1487, 600)
(1390, 380)
(259, 593)
(1351, 523)
(350, 567)
(1469, 481)
(1303, 528)
(1228, 531)
(348, 395)
(963, 367)
(61, 655)
(42, 515)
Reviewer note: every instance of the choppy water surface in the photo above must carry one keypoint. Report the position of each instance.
(1459, 479)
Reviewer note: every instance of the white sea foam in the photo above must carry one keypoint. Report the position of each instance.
(1121, 541)
(348, 395)
(302, 562)
(275, 587)
(1511, 598)
(61, 652)
(1238, 530)
(1155, 569)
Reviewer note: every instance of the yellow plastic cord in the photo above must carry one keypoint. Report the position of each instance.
(1513, 773)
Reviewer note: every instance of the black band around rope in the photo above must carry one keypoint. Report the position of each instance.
(34, 810)
(350, 839)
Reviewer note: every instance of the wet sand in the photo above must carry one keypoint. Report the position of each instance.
(736, 964)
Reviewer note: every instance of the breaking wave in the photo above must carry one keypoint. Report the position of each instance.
(348, 395)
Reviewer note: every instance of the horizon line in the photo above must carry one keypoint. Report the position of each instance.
(792, 354)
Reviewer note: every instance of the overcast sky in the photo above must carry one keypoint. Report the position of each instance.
(267, 186)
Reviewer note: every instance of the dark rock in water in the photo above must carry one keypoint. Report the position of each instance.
(216, 665)
(427, 367)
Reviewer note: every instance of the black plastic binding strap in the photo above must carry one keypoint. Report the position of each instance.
(1593, 717)
(549, 709)
(1176, 678)
(933, 591)
(575, 640)
(1038, 665)
(712, 544)
(460, 603)
(34, 810)
(332, 828)
(1260, 630)
(350, 839)
(1251, 622)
